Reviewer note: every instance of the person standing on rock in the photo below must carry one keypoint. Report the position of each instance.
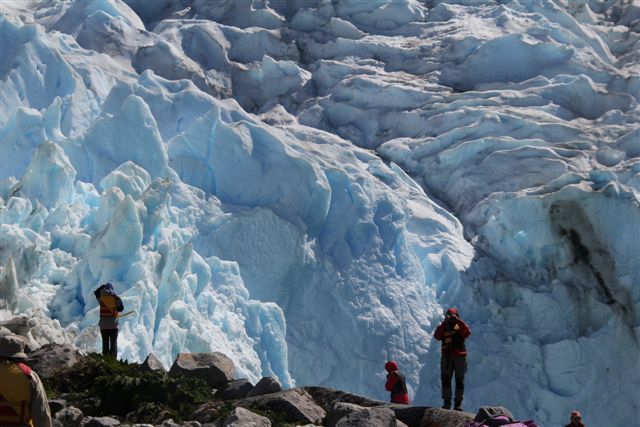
(396, 383)
(452, 332)
(23, 401)
(110, 306)
(576, 420)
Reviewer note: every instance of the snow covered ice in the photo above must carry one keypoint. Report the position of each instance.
(306, 185)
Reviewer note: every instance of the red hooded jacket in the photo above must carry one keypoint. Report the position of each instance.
(396, 384)
(452, 334)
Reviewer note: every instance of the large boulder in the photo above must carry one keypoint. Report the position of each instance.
(350, 415)
(216, 369)
(266, 385)
(241, 417)
(296, 405)
(237, 389)
(152, 363)
(51, 357)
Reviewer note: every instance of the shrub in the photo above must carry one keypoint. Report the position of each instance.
(104, 386)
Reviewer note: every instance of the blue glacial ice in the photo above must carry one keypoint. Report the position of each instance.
(305, 185)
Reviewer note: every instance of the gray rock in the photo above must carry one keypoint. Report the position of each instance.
(57, 405)
(241, 417)
(142, 425)
(265, 386)
(215, 369)
(237, 389)
(296, 405)
(348, 414)
(439, 417)
(70, 417)
(171, 423)
(51, 357)
(99, 422)
(209, 412)
(328, 397)
(152, 363)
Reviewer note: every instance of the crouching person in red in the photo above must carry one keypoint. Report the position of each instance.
(396, 384)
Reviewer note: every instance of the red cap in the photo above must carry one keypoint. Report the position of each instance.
(453, 311)
(575, 414)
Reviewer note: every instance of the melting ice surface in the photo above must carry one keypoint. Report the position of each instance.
(305, 185)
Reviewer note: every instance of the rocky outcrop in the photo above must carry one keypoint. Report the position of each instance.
(351, 415)
(237, 389)
(152, 363)
(51, 357)
(235, 403)
(412, 416)
(265, 386)
(216, 369)
(241, 417)
(295, 404)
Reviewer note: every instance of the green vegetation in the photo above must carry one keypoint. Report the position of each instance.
(104, 386)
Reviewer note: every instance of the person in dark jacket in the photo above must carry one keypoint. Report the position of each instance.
(576, 420)
(110, 306)
(396, 383)
(452, 332)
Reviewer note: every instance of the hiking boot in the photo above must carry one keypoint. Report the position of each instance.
(447, 404)
(458, 405)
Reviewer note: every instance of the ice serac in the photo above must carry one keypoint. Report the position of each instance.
(304, 185)
(49, 179)
(131, 134)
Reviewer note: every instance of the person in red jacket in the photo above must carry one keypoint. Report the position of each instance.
(452, 332)
(396, 383)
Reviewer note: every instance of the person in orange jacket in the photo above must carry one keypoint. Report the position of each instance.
(396, 383)
(23, 401)
(452, 332)
(110, 306)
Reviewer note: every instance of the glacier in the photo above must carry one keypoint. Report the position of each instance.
(306, 186)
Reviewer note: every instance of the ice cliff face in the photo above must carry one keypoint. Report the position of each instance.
(304, 185)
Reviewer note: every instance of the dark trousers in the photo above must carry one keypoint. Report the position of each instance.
(109, 342)
(450, 365)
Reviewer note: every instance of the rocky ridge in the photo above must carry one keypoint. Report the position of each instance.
(216, 398)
